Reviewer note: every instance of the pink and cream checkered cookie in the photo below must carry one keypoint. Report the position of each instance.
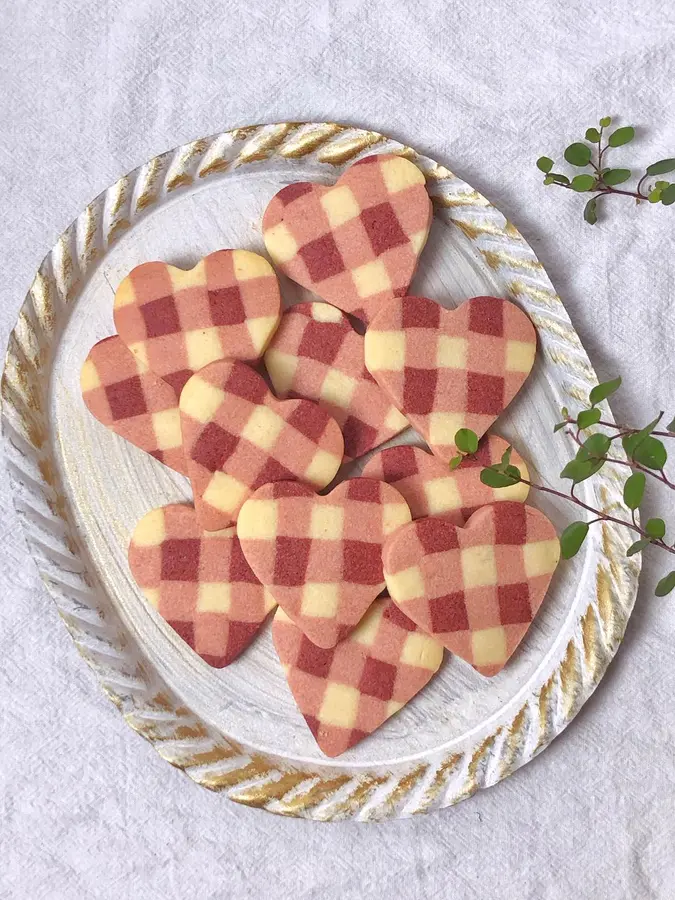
(237, 436)
(316, 354)
(450, 369)
(321, 557)
(357, 243)
(133, 402)
(178, 321)
(348, 691)
(474, 589)
(431, 489)
(199, 582)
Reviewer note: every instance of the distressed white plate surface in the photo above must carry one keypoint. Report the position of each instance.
(80, 490)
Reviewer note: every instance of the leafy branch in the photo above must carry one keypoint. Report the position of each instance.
(603, 180)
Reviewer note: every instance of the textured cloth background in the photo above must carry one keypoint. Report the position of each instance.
(88, 90)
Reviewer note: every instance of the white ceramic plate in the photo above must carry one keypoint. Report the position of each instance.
(80, 490)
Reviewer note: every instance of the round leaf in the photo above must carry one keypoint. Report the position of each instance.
(634, 489)
(605, 122)
(558, 178)
(578, 154)
(579, 470)
(654, 196)
(549, 180)
(661, 185)
(495, 479)
(651, 453)
(591, 211)
(668, 195)
(656, 528)
(662, 167)
(637, 546)
(603, 390)
(455, 462)
(666, 585)
(621, 136)
(616, 176)
(588, 417)
(572, 538)
(466, 440)
(593, 135)
(595, 446)
(582, 183)
(544, 164)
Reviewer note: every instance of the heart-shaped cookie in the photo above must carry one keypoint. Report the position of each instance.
(237, 436)
(178, 321)
(450, 369)
(133, 402)
(316, 354)
(356, 243)
(474, 589)
(321, 557)
(346, 692)
(431, 489)
(199, 582)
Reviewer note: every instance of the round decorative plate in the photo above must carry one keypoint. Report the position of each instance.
(79, 490)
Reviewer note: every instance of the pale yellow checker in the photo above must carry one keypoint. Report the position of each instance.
(324, 312)
(408, 584)
(443, 426)
(200, 400)
(371, 278)
(166, 426)
(257, 520)
(326, 523)
(520, 355)
(322, 468)
(541, 557)
(451, 352)
(281, 616)
(89, 379)
(338, 388)
(395, 420)
(192, 278)
(400, 174)
(394, 515)
(488, 646)
(263, 427)
(366, 631)
(261, 330)
(516, 492)
(340, 705)
(442, 495)
(150, 531)
(140, 352)
(418, 240)
(384, 350)
(393, 706)
(248, 265)
(203, 347)
(320, 600)
(280, 243)
(125, 294)
(152, 595)
(340, 206)
(281, 368)
(421, 650)
(479, 567)
(214, 596)
(225, 493)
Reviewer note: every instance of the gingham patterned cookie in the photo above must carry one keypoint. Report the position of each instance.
(133, 402)
(346, 692)
(237, 436)
(357, 243)
(450, 369)
(475, 589)
(431, 489)
(178, 321)
(321, 557)
(199, 583)
(316, 354)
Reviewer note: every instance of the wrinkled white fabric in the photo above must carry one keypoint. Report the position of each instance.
(88, 90)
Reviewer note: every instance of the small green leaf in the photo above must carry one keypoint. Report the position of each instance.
(654, 196)
(634, 489)
(621, 136)
(666, 585)
(662, 167)
(513, 473)
(605, 122)
(593, 135)
(671, 427)
(506, 456)
(455, 462)
(564, 411)
(581, 183)
(544, 164)
(591, 211)
(558, 178)
(668, 195)
(466, 440)
(616, 176)
(588, 417)
(656, 528)
(579, 470)
(572, 538)
(604, 390)
(661, 185)
(651, 453)
(494, 479)
(549, 180)
(637, 546)
(578, 154)
(557, 427)
(594, 447)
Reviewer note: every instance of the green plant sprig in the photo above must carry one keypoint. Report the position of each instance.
(646, 455)
(603, 180)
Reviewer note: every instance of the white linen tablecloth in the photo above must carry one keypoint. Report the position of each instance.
(88, 90)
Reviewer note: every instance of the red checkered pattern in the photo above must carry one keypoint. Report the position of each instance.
(321, 557)
(346, 692)
(178, 321)
(133, 402)
(446, 369)
(475, 589)
(431, 489)
(238, 436)
(199, 583)
(316, 354)
(355, 244)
